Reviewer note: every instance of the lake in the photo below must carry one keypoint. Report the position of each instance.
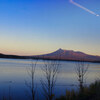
(14, 73)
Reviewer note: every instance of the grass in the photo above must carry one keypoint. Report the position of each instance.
(92, 92)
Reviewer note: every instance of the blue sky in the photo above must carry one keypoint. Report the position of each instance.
(41, 26)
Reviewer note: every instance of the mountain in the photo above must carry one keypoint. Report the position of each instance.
(69, 55)
(60, 54)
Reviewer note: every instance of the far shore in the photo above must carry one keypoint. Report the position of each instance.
(40, 58)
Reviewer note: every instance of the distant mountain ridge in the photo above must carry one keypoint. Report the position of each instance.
(60, 54)
(69, 55)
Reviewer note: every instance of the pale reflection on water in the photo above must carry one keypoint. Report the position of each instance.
(16, 72)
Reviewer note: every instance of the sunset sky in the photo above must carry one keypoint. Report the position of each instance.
(31, 27)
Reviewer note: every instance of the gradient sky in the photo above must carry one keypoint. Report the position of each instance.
(29, 27)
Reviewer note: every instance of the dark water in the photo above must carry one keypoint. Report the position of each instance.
(13, 74)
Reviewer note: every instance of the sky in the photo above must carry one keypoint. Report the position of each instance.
(32, 27)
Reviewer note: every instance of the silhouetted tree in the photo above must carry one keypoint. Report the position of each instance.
(81, 69)
(50, 70)
(31, 84)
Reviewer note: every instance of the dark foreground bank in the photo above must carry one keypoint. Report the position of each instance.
(92, 92)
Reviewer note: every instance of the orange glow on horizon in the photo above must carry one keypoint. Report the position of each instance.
(35, 52)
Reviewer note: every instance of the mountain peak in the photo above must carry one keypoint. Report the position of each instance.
(60, 49)
(63, 50)
(70, 55)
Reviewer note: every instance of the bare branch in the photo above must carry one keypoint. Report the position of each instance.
(81, 70)
(50, 71)
(31, 84)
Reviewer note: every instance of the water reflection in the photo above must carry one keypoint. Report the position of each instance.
(16, 71)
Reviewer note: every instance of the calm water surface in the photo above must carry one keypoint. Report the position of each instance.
(13, 74)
